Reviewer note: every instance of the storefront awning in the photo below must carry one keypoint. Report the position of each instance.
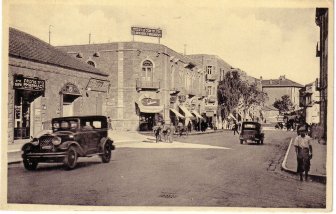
(149, 109)
(197, 114)
(186, 111)
(177, 113)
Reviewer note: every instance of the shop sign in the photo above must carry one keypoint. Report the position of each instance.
(182, 98)
(150, 102)
(28, 83)
(146, 32)
(210, 108)
(173, 99)
(98, 85)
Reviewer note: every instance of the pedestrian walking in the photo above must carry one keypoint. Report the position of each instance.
(304, 152)
(235, 129)
(189, 126)
(109, 123)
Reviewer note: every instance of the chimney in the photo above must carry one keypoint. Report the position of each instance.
(260, 78)
(283, 77)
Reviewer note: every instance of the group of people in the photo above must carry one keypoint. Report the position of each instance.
(163, 132)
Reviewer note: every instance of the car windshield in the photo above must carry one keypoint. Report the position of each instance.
(61, 125)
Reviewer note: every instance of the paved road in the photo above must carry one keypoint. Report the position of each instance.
(204, 170)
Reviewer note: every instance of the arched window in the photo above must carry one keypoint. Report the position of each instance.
(147, 71)
(91, 63)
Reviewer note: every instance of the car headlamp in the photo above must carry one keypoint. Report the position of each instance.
(56, 141)
(35, 141)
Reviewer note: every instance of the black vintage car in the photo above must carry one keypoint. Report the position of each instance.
(251, 131)
(71, 137)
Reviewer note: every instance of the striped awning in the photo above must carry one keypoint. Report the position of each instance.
(197, 114)
(186, 112)
(149, 109)
(176, 113)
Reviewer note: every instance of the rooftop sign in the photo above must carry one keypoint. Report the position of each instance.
(146, 32)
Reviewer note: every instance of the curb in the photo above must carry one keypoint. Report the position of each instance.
(315, 177)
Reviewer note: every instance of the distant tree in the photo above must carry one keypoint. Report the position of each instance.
(232, 90)
(228, 93)
(283, 105)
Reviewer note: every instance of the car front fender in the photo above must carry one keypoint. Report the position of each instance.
(67, 144)
(105, 140)
(27, 147)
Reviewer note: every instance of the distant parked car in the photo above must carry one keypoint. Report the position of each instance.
(71, 137)
(251, 131)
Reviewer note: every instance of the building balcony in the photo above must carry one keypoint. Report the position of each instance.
(211, 77)
(147, 85)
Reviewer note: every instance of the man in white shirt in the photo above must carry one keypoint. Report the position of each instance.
(304, 152)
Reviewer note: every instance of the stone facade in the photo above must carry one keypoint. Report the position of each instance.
(322, 20)
(44, 108)
(140, 71)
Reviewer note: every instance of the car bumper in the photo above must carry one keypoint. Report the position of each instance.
(44, 155)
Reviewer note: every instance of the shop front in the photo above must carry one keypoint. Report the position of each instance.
(150, 113)
(28, 92)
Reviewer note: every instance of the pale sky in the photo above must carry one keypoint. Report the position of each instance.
(262, 41)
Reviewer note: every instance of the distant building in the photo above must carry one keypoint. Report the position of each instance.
(310, 102)
(276, 88)
(321, 20)
(150, 83)
(214, 68)
(44, 82)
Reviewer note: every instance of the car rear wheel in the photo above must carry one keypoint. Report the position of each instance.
(106, 156)
(29, 164)
(70, 160)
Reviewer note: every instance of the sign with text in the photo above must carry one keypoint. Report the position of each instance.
(98, 85)
(146, 32)
(150, 102)
(26, 83)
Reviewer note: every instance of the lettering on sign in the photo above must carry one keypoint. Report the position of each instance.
(146, 32)
(28, 83)
(98, 85)
(173, 99)
(150, 102)
(182, 98)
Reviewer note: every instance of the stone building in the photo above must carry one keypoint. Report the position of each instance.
(149, 83)
(321, 19)
(276, 88)
(44, 82)
(214, 68)
(309, 101)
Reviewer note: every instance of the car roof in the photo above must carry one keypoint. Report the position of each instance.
(81, 117)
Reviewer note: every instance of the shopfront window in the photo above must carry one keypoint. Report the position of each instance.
(147, 71)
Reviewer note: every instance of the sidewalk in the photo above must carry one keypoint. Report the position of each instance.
(119, 137)
(317, 163)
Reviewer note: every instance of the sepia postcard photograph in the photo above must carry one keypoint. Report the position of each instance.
(167, 105)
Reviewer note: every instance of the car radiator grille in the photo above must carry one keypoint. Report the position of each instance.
(46, 143)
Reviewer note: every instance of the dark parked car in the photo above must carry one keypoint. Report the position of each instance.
(251, 131)
(71, 137)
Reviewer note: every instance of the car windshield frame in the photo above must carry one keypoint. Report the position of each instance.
(65, 124)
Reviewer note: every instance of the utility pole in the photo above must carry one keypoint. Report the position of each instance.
(49, 32)
(89, 38)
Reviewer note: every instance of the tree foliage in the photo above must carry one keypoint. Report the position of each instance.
(232, 89)
(283, 105)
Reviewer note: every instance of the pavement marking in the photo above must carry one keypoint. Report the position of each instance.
(163, 145)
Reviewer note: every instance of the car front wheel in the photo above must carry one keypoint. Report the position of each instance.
(106, 156)
(29, 164)
(70, 160)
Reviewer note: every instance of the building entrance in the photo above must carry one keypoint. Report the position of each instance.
(23, 112)
(27, 90)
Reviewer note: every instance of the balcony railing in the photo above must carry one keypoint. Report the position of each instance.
(147, 85)
(211, 77)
